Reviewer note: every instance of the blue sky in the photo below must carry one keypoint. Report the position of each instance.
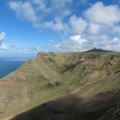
(30, 26)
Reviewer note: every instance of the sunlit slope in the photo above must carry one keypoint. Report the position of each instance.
(50, 75)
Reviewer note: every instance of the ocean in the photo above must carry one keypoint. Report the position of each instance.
(8, 66)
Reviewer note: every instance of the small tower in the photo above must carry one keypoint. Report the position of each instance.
(94, 48)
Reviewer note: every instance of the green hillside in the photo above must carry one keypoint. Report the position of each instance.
(74, 86)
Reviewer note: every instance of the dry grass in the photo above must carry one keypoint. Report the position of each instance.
(51, 75)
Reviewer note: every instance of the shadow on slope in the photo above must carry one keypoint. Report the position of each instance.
(72, 107)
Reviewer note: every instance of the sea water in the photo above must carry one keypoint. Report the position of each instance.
(8, 66)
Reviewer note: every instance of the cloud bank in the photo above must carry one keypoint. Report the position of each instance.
(96, 26)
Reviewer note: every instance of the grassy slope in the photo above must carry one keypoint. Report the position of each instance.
(51, 75)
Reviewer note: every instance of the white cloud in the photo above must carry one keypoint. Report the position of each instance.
(24, 10)
(62, 3)
(41, 6)
(103, 30)
(77, 25)
(4, 46)
(113, 44)
(74, 43)
(116, 30)
(101, 14)
(49, 6)
(2, 36)
(61, 8)
(78, 39)
(97, 37)
(36, 11)
(78, 43)
(94, 29)
(50, 14)
(115, 39)
(97, 27)
(55, 25)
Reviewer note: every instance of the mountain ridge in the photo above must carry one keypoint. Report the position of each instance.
(52, 76)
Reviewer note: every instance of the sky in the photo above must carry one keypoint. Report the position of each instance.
(30, 26)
